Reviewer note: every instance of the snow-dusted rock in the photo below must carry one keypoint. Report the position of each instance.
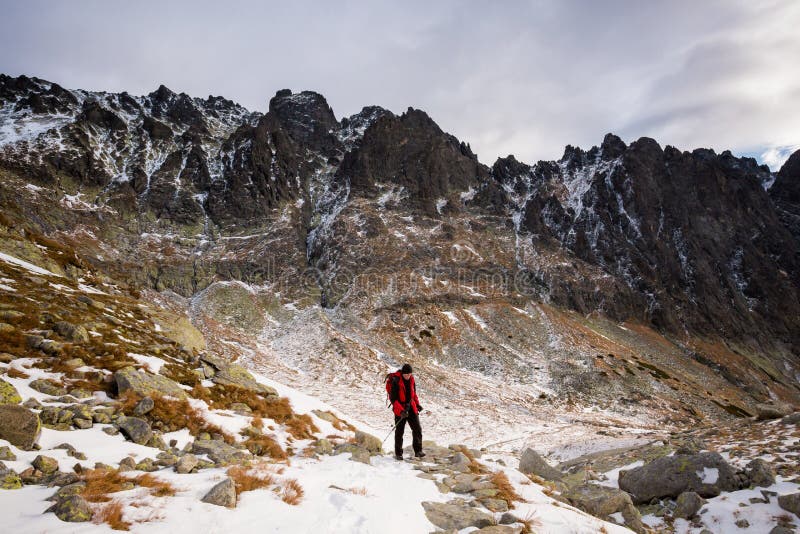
(706, 473)
(218, 451)
(144, 384)
(790, 503)
(602, 501)
(222, 494)
(759, 473)
(688, 504)
(456, 516)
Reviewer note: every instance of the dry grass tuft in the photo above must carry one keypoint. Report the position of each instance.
(111, 514)
(529, 522)
(292, 492)
(169, 415)
(101, 482)
(263, 445)
(257, 422)
(247, 479)
(13, 372)
(158, 487)
(474, 465)
(505, 489)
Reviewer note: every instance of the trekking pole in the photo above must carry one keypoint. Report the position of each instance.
(392, 430)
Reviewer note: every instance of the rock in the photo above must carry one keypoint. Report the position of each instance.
(6, 357)
(144, 406)
(706, 473)
(691, 446)
(50, 347)
(219, 452)
(67, 490)
(6, 454)
(146, 384)
(369, 442)
(33, 404)
(223, 494)
(47, 387)
(241, 408)
(448, 516)
(8, 393)
(742, 523)
(6, 328)
(792, 419)
(781, 530)
(790, 503)
(135, 429)
(111, 431)
(760, 473)
(71, 332)
(11, 315)
(360, 454)
(688, 504)
(73, 509)
(127, 464)
(460, 462)
(772, 411)
(495, 505)
(602, 501)
(531, 463)
(19, 425)
(82, 423)
(508, 518)
(9, 480)
(45, 464)
(236, 375)
(499, 529)
(323, 446)
(186, 463)
(74, 363)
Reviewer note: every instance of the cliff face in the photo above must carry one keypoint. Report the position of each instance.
(393, 224)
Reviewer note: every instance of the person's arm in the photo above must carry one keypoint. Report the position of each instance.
(416, 399)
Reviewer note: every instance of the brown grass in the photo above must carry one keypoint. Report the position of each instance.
(257, 422)
(505, 489)
(101, 482)
(13, 372)
(158, 487)
(292, 492)
(248, 479)
(278, 409)
(529, 522)
(263, 445)
(169, 415)
(111, 514)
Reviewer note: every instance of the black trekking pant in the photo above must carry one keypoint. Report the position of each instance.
(416, 433)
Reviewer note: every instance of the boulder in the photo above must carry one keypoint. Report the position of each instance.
(759, 473)
(73, 509)
(218, 451)
(706, 473)
(127, 464)
(45, 464)
(602, 501)
(222, 494)
(146, 384)
(186, 463)
(460, 462)
(67, 491)
(531, 463)
(360, 455)
(776, 410)
(19, 425)
(135, 429)
(369, 442)
(499, 529)
(449, 516)
(144, 406)
(236, 375)
(47, 387)
(323, 446)
(688, 504)
(9, 480)
(71, 332)
(791, 419)
(8, 393)
(790, 503)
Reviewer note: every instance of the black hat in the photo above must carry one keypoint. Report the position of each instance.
(406, 369)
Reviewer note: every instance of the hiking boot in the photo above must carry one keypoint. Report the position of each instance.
(419, 454)
(398, 457)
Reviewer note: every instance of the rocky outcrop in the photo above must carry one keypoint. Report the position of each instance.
(531, 463)
(144, 384)
(785, 193)
(19, 425)
(706, 473)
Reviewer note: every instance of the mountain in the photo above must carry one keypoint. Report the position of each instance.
(658, 285)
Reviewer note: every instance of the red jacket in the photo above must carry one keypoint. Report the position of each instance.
(403, 397)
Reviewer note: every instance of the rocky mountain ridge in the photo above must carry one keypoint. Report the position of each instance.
(391, 238)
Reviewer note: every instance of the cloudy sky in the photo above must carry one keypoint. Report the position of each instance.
(509, 77)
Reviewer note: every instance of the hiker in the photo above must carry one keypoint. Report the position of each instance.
(406, 407)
